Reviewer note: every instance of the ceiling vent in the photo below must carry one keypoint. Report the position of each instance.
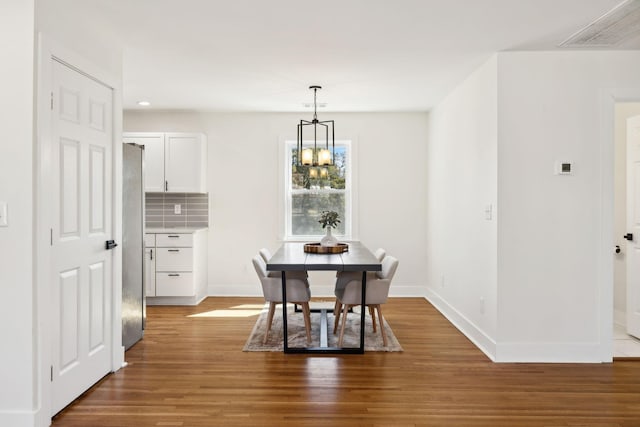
(619, 24)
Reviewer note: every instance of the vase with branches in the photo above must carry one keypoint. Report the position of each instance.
(329, 220)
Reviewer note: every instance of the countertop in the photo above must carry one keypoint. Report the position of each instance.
(174, 229)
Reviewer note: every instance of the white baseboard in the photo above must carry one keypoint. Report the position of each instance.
(549, 352)
(174, 300)
(620, 318)
(481, 340)
(22, 419)
(522, 352)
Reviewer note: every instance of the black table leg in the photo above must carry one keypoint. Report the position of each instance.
(285, 334)
(363, 309)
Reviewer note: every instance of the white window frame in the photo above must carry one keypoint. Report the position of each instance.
(349, 191)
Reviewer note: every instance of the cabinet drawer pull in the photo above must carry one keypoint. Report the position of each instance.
(151, 252)
(173, 250)
(173, 275)
(174, 237)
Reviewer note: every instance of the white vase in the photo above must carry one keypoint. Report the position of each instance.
(328, 239)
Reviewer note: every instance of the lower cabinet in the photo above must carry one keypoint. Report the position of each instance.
(150, 265)
(149, 272)
(179, 268)
(174, 284)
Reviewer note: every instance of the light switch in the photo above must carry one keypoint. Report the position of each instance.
(177, 209)
(3, 214)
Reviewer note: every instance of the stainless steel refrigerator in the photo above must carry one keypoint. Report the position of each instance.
(133, 298)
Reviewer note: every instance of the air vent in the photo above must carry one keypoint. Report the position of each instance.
(619, 24)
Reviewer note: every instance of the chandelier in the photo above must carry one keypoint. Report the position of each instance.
(318, 154)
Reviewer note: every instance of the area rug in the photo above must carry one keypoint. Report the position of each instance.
(297, 336)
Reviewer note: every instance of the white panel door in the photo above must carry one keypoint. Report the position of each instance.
(81, 276)
(184, 160)
(633, 226)
(153, 159)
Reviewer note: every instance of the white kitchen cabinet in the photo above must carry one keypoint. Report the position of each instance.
(185, 163)
(153, 158)
(174, 162)
(150, 265)
(180, 268)
(174, 259)
(150, 272)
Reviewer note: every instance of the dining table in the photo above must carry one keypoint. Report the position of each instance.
(291, 256)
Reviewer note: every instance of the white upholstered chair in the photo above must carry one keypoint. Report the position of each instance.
(344, 277)
(377, 294)
(297, 292)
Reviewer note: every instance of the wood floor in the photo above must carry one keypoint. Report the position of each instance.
(191, 371)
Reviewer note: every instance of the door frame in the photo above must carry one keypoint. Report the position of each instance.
(49, 50)
(609, 98)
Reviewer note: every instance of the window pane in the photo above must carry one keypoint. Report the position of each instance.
(306, 209)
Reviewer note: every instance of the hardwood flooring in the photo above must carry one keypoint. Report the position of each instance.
(191, 371)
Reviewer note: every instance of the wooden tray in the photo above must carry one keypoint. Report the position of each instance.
(317, 248)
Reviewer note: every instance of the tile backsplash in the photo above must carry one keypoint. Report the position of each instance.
(160, 210)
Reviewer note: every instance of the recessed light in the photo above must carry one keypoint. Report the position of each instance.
(144, 103)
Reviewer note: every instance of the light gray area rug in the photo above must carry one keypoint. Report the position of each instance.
(297, 335)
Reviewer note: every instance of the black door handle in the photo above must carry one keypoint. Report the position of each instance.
(628, 236)
(110, 244)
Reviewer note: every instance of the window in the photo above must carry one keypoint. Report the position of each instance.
(311, 190)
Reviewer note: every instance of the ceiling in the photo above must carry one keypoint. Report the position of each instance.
(369, 55)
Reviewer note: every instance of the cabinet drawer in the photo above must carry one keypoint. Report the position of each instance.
(175, 240)
(174, 284)
(174, 259)
(149, 240)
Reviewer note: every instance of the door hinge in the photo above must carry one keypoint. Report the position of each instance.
(52, 100)
(51, 373)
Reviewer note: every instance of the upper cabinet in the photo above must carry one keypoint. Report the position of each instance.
(174, 162)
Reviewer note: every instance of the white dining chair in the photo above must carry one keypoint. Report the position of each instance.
(298, 292)
(344, 277)
(377, 294)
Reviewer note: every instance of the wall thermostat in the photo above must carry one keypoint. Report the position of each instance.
(564, 168)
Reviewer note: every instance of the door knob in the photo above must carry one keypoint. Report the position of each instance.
(110, 244)
(628, 236)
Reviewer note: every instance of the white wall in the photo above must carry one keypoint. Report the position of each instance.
(246, 203)
(554, 295)
(551, 236)
(17, 370)
(83, 28)
(622, 113)
(461, 168)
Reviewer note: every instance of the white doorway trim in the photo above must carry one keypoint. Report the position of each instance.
(47, 50)
(609, 98)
